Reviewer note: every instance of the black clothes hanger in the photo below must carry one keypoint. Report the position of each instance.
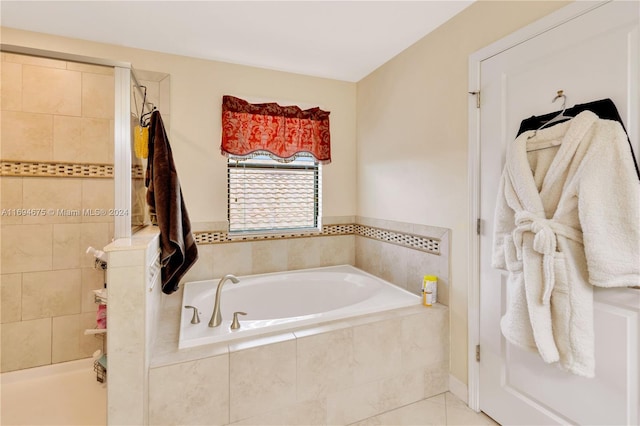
(603, 108)
(145, 117)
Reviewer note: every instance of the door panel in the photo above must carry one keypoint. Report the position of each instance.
(590, 57)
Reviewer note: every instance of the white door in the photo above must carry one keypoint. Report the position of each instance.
(590, 57)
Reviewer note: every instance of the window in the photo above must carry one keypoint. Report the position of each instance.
(268, 195)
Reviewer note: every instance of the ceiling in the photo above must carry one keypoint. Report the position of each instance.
(344, 40)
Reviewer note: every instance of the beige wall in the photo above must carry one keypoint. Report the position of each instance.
(197, 87)
(412, 138)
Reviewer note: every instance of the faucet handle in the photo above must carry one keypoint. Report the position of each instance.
(235, 324)
(196, 318)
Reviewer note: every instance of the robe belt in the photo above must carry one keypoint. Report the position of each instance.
(544, 242)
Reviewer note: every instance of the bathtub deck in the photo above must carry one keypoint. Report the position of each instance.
(53, 396)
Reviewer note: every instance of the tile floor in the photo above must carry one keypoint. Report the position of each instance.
(70, 395)
(443, 409)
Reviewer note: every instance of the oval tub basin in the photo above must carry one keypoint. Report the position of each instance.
(285, 301)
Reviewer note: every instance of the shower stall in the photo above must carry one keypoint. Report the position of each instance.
(70, 178)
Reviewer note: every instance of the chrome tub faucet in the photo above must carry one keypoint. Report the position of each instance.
(216, 317)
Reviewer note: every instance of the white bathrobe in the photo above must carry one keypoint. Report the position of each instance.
(567, 218)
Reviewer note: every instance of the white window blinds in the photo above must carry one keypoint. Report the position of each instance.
(267, 195)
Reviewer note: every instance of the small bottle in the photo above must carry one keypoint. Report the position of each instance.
(429, 290)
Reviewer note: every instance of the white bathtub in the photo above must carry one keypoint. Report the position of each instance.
(286, 300)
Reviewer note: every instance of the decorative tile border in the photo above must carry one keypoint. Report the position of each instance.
(74, 170)
(137, 172)
(417, 242)
(50, 169)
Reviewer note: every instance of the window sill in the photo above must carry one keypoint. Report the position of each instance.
(256, 235)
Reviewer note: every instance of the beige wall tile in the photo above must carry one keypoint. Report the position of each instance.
(303, 253)
(96, 235)
(27, 136)
(425, 338)
(10, 199)
(25, 344)
(51, 293)
(269, 256)
(51, 91)
(262, 379)
(10, 297)
(92, 279)
(233, 258)
(393, 263)
(191, 393)
(203, 268)
(67, 138)
(98, 194)
(34, 60)
(368, 255)
(96, 69)
(68, 339)
(325, 364)
(26, 248)
(66, 246)
(98, 92)
(11, 93)
(377, 350)
(336, 250)
(419, 264)
(82, 140)
(60, 197)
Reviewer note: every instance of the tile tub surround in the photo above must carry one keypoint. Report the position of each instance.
(401, 253)
(337, 373)
(399, 264)
(56, 153)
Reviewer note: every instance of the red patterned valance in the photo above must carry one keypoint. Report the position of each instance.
(282, 131)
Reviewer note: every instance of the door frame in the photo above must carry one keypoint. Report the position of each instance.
(528, 32)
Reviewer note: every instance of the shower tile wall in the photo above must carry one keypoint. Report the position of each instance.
(52, 112)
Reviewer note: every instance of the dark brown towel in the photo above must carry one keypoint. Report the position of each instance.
(166, 207)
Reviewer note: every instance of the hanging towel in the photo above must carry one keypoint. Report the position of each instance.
(567, 219)
(167, 210)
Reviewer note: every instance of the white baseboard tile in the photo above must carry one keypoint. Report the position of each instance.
(459, 389)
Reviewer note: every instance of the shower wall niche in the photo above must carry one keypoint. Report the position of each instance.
(150, 89)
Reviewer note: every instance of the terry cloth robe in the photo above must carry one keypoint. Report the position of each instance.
(178, 250)
(567, 219)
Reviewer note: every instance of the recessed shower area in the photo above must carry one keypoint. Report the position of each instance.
(63, 117)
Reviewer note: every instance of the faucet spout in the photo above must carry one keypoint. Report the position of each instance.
(216, 317)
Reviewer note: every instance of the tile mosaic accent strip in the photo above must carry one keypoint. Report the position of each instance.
(417, 242)
(137, 172)
(46, 169)
(430, 245)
